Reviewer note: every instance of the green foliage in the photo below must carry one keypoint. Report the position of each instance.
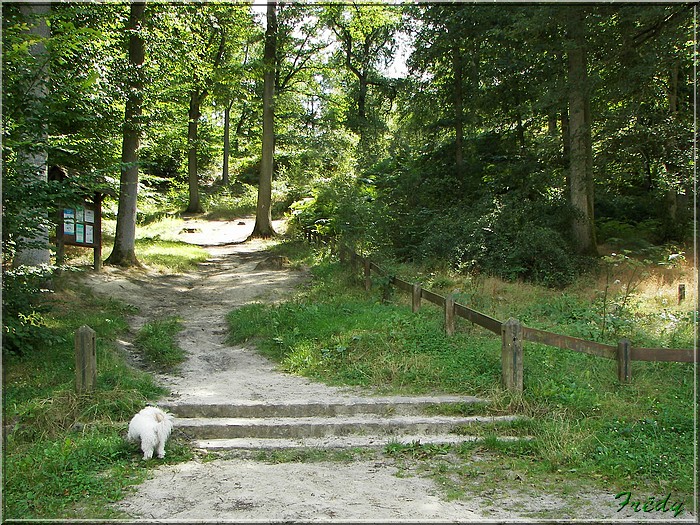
(340, 209)
(512, 236)
(158, 341)
(23, 323)
(237, 201)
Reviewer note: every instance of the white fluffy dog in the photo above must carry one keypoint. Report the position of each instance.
(153, 427)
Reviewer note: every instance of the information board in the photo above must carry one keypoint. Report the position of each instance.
(79, 225)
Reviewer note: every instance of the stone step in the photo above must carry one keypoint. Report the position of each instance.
(393, 405)
(305, 427)
(338, 442)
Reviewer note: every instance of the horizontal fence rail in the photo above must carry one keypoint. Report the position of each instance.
(678, 355)
(566, 342)
(511, 331)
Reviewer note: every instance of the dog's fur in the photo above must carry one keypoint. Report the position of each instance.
(152, 427)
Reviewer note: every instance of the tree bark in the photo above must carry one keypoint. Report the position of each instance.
(197, 96)
(263, 217)
(123, 253)
(671, 229)
(192, 166)
(459, 107)
(34, 249)
(581, 155)
(227, 144)
(566, 143)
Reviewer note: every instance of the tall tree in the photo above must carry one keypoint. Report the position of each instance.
(34, 250)
(366, 34)
(263, 216)
(580, 149)
(123, 253)
(201, 86)
(232, 91)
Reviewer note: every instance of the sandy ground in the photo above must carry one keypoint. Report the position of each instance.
(240, 489)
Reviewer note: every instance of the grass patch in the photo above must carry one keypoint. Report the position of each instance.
(158, 341)
(169, 256)
(65, 455)
(165, 255)
(354, 342)
(311, 455)
(582, 420)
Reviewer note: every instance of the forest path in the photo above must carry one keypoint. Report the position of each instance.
(241, 489)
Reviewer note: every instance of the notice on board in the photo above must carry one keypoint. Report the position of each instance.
(80, 233)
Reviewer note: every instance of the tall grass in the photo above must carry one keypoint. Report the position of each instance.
(157, 340)
(582, 419)
(64, 454)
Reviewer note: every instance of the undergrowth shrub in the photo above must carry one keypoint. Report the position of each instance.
(505, 238)
(338, 209)
(23, 321)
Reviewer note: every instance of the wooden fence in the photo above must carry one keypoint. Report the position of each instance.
(512, 332)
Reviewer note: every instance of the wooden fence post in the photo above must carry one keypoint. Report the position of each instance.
(85, 359)
(624, 362)
(512, 356)
(415, 298)
(368, 280)
(450, 315)
(681, 293)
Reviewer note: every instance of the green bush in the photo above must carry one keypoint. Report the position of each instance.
(23, 324)
(513, 241)
(340, 209)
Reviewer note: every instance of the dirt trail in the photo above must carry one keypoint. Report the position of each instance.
(244, 490)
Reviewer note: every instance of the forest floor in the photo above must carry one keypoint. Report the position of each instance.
(241, 487)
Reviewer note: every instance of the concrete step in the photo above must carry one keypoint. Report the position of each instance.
(337, 442)
(318, 427)
(392, 405)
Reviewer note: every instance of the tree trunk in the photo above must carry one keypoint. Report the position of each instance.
(239, 129)
(520, 130)
(197, 97)
(263, 218)
(362, 103)
(552, 123)
(566, 143)
(671, 228)
(459, 107)
(227, 144)
(34, 250)
(581, 156)
(123, 253)
(192, 136)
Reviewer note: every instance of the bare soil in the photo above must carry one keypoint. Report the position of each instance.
(242, 489)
